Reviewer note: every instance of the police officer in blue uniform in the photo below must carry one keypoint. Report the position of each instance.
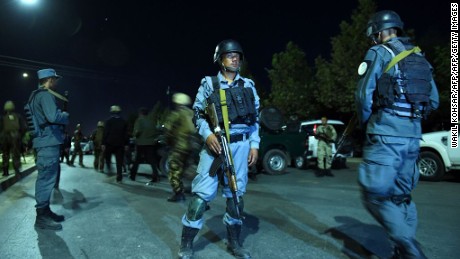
(51, 121)
(395, 92)
(244, 143)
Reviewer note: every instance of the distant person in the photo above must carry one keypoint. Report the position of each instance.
(243, 130)
(47, 145)
(395, 91)
(13, 127)
(115, 140)
(65, 148)
(77, 149)
(326, 135)
(145, 137)
(96, 137)
(179, 128)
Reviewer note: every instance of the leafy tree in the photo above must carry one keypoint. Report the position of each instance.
(441, 64)
(336, 80)
(291, 82)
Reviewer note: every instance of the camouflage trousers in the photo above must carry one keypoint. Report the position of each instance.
(324, 155)
(12, 146)
(177, 162)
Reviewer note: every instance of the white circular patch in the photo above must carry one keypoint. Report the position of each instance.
(362, 68)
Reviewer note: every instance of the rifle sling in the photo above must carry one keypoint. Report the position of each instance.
(401, 56)
(223, 105)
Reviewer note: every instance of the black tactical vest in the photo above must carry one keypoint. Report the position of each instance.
(407, 91)
(240, 103)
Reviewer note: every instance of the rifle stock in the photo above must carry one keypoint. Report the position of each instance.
(225, 156)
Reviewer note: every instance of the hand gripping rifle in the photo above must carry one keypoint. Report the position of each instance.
(348, 130)
(224, 160)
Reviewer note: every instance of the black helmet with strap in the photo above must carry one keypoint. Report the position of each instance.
(227, 46)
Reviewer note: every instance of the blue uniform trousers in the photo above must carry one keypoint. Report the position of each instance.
(47, 167)
(206, 186)
(387, 176)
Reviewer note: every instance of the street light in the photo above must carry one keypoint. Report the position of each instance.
(25, 75)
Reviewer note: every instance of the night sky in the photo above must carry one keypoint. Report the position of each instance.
(120, 52)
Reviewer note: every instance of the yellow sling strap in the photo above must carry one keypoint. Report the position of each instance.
(223, 104)
(401, 56)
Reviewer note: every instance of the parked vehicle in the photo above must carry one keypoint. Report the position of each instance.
(280, 142)
(87, 146)
(437, 157)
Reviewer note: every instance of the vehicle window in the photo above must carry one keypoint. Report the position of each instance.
(308, 129)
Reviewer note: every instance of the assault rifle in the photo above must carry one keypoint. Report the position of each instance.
(224, 160)
(348, 130)
(323, 137)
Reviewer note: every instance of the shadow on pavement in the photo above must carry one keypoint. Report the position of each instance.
(361, 240)
(51, 245)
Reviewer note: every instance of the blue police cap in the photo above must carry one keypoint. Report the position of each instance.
(48, 72)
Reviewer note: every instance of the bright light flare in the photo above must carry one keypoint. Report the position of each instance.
(25, 75)
(29, 2)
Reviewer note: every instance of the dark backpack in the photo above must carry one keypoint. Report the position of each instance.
(411, 83)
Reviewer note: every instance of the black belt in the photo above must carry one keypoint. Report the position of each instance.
(238, 137)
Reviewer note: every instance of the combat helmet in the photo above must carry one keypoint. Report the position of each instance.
(227, 46)
(181, 99)
(115, 109)
(9, 106)
(384, 20)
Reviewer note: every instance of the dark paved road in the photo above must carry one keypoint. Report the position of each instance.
(295, 215)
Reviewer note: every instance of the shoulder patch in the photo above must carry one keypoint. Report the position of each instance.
(362, 68)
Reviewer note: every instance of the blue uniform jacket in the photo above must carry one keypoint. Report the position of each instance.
(206, 90)
(50, 118)
(383, 122)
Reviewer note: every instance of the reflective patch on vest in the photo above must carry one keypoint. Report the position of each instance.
(362, 68)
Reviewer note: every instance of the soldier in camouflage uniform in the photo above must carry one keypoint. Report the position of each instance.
(326, 136)
(179, 128)
(96, 137)
(12, 130)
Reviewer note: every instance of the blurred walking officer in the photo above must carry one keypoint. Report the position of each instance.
(115, 139)
(12, 130)
(145, 133)
(51, 121)
(179, 129)
(395, 91)
(243, 106)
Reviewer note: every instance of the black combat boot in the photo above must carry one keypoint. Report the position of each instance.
(54, 216)
(234, 246)
(186, 243)
(44, 220)
(327, 172)
(5, 172)
(177, 196)
(319, 172)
